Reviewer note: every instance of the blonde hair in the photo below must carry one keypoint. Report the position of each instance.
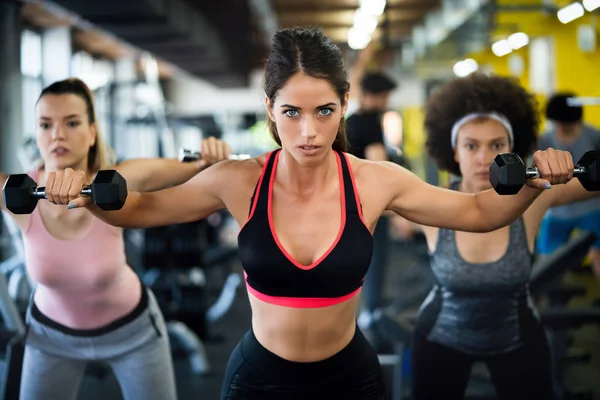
(100, 156)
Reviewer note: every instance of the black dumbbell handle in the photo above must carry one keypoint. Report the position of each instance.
(189, 156)
(532, 173)
(40, 192)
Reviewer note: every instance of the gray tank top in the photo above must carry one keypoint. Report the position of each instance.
(480, 309)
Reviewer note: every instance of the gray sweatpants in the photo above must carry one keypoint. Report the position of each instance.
(138, 353)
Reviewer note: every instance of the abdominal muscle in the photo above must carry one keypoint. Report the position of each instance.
(303, 334)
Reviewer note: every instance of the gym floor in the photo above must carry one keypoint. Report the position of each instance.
(407, 272)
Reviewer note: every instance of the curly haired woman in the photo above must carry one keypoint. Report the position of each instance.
(480, 309)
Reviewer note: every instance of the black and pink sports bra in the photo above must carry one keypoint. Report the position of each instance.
(272, 275)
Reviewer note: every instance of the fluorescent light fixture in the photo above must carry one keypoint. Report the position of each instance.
(518, 40)
(470, 64)
(570, 13)
(373, 7)
(591, 5)
(501, 48)
(358, 39)
(94, 80)
(365, 22)
(465, 67)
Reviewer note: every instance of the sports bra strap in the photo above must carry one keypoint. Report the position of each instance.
(263, 190)
(349, 195)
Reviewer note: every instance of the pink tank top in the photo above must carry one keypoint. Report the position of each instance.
(88, 262)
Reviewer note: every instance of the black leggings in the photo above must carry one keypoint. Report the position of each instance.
(253, 372)
(439, 372)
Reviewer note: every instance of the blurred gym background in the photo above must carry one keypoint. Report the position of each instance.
(167, 73)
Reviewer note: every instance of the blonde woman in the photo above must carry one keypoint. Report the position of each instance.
(88, 303)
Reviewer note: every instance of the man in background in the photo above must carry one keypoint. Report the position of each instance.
(366, 140)
(364, 127)
(569, 132)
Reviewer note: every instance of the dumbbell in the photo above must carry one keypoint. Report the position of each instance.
(108, 191)
(189, 156)
(508, 173)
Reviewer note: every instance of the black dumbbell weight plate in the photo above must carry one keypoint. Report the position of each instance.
(590, 180)
(507, 173)
(109, 190)
(17, 194)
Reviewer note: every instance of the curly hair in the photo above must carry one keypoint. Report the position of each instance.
(478, 93)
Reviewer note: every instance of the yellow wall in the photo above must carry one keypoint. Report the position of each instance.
(574, 70)
(499, 65)
(413, 145)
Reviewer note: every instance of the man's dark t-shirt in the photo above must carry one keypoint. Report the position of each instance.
(364, 129)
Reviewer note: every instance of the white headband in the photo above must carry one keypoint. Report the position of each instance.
(492, 115)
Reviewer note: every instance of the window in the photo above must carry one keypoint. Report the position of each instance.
(31, 54)
(97, 75)
(31, 70)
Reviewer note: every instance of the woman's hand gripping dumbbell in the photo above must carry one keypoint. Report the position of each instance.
(186, 155)
(508, 173)
(212, 151)
(108, 190)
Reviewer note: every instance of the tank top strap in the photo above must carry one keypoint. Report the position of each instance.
(518, 234)
(34, 174)
(446, 241)
(518, 237)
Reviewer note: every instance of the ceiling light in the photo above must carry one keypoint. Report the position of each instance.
(465, 67)
(358, 39)
(591, 5)
(365, 22)
(518, 40)
(570, 13)
(373, 7)
(501, 48)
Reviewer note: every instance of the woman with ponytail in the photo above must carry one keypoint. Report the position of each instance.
(88, 304)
